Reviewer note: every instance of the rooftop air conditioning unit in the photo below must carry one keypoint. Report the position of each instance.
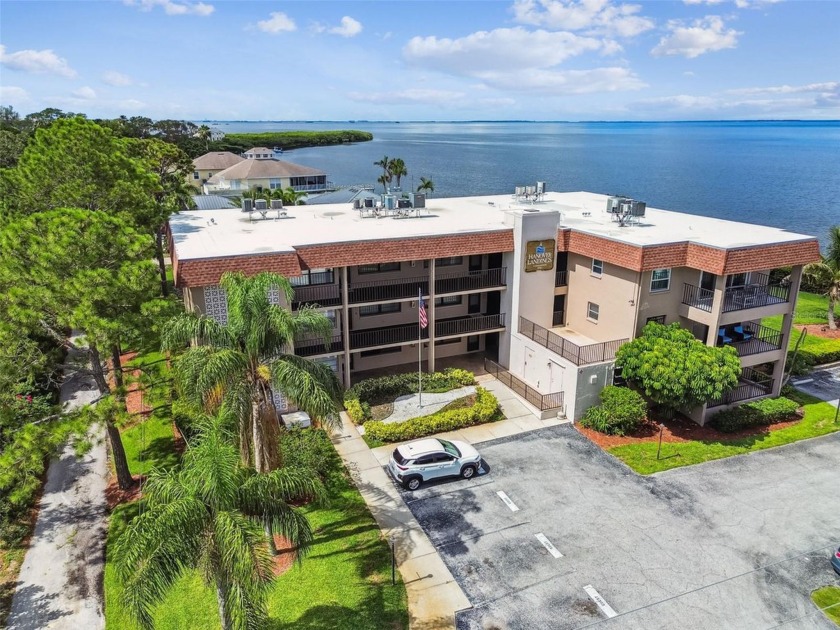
(519, 191)
(369, 202)
(357, 204)
(637, 208)
(276, 204)
(403, 203)
(418, 200)
(613, 205)
(540, 188)
(247, 205)
(260, 204)
(389, 202)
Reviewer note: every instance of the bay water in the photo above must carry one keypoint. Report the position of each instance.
(780, 173)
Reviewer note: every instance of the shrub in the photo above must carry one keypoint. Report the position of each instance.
(311, 450)
(485, 409)
(762, 412)
(384, 389)
(620, 412)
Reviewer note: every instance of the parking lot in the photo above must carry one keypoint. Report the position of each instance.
(737, 543)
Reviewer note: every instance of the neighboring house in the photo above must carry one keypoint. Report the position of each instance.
(262, 153)
(207, 165)
(212, 202)
(266, 174)
(548, 287)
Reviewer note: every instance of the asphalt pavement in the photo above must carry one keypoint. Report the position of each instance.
(732, 544)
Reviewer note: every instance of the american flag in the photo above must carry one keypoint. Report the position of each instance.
(424, 320)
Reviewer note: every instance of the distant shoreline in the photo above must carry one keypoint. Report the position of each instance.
(536, 122)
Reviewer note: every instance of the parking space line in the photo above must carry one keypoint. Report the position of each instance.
(507, 501)
(595, 596)
(547, 544)
(803, 381)
(461, 539)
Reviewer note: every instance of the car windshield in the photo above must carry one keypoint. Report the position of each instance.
(450, 448)
(398, 457)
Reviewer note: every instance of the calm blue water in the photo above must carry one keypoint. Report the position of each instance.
(784, 174)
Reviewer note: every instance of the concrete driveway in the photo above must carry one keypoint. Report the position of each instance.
(738, 543)
(823, 383)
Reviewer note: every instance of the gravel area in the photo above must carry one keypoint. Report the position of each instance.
(407, 407)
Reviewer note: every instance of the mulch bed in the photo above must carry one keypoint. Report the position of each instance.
(820, 330)
(284, 560)
(114, 495)
(680, 429)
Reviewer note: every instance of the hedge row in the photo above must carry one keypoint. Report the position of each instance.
(485, 409)
(807, 359)
(759, 413)
(620, 412)
(384, 389)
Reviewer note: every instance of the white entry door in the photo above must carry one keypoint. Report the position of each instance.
(531, 369)
(555, 378)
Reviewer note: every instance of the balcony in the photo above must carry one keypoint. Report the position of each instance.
(314, 346)
(406, 333)
(558, 318)
(579, 355)
(697, 297)
(750, 338)
(560, 278)
(404, 288)
(317, 294)
(543, 402)
(760, 292)
(753, 384)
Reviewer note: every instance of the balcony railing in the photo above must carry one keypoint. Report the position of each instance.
(579, 355)
(392, 335)
(308, 347)
(542, 402)
(697, 297)
(402, 288)
(320, 294)
(753, 384)
(558, 318)
(752, 338)
(760, 292)
(560, 278)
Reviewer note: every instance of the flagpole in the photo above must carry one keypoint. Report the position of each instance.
(419, 347)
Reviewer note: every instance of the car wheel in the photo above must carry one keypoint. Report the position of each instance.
(412, 483)
(468, 472)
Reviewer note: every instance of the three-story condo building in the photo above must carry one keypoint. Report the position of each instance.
(546, 285)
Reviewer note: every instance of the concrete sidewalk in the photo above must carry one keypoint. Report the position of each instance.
(433, 594)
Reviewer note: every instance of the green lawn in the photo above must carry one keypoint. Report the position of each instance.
(818, 420)
(150, 443)
(811, 308)
(827, 599)
(343, 584)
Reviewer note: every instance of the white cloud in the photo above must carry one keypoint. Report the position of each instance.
(117, 79)
(741, 4)
(501, 50)
(830, 87)
(708, 34)
(562, 82)
(414, 95)
(85, 92)
(278, 22)
(592, 16)
(37, 61)
(703, 1)
(348, 28)
(13, 95)
(173, 8)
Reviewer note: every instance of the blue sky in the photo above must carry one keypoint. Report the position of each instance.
(432, 60)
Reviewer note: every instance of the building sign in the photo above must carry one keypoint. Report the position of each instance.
(539, 255)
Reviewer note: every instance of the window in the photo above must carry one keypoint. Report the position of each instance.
(196, 175)
(452, 261)
(592, 311)
(379, 309)
(310, 277)
(380, 268)
(378, 351)
(660, 280)
(449, 300)
(597, 267)
(659, 319)
(275, 183)
(446, 342)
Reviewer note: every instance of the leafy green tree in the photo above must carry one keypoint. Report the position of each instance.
(397, 169)
(77, 270)
(207, 516)
(75, 163)
(243, 361)
(675, 370)
(170, 167)
(426, 186)
(824, 276)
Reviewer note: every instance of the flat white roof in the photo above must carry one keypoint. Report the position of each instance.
(215, 233)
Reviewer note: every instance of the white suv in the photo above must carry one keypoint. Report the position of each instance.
(412, 464)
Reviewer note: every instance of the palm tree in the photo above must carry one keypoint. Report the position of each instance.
(426, 185)
(290, 196)
(204, 133)
(385, 178)
(245, 360)
(207, 515)
(824, 276)
(397, 169)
